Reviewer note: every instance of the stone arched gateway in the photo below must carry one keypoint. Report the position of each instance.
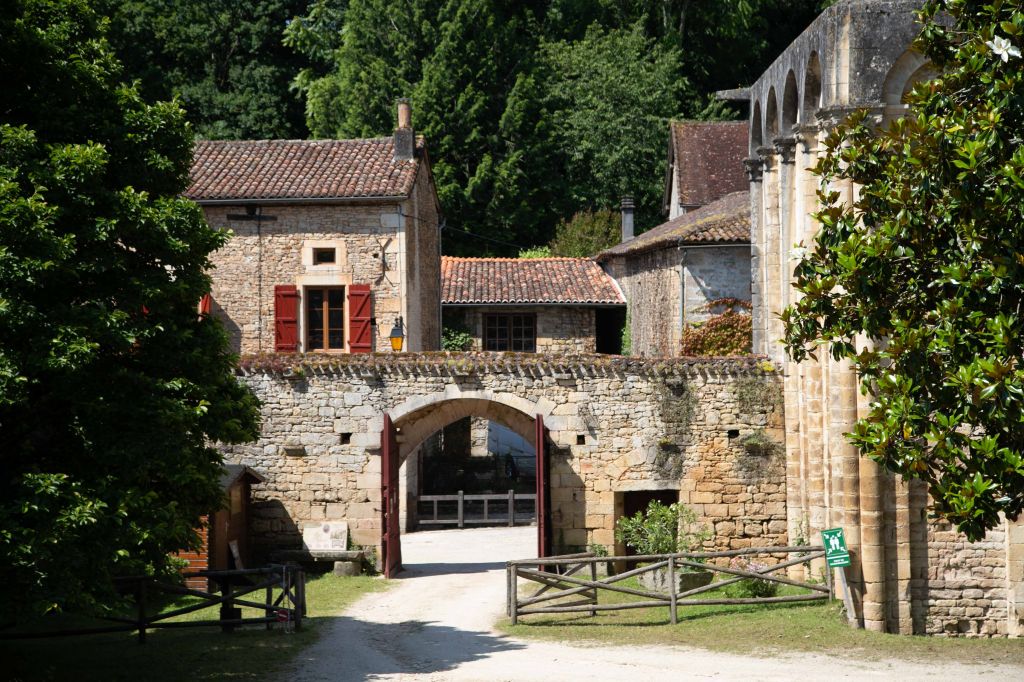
(707, 428)
(408, 425)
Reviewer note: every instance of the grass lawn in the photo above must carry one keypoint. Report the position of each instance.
(818, 627)
(187, 654)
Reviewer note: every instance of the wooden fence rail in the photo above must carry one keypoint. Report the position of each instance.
(558, 579)
(505, 500)
(287, 606)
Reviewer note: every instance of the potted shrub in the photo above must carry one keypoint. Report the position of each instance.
(665, 529)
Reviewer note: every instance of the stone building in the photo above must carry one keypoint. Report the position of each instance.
(705, 162)
(533, 305)
(671, 272)
(910, 574)
(334, 242)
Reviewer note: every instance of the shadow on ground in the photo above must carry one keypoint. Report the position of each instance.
(407, 648)
(420, 570)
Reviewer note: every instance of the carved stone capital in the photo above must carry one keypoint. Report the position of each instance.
(786, 148)
(755, 168)
(807, 135)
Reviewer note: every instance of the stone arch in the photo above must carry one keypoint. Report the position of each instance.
(420, 417)
(812, 89)
(771, 115)
(756, 129)
(790, 104)
(910, 68)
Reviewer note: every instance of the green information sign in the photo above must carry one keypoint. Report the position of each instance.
(836, 554)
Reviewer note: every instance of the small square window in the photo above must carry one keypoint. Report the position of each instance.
(581, 439)
(346, 439)
(325, 256)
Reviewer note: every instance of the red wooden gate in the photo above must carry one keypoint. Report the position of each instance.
(543, 507)
(391, 541)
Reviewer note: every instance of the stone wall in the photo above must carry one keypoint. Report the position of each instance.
(422, 266)
(615, 425)
(371, 249)
(656, 281)
(560, 329)
(650, 282)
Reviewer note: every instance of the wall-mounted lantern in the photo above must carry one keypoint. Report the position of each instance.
(397, 335)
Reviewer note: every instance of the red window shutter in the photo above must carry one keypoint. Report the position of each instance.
(286, 318)
(205, 304)
(360, 312)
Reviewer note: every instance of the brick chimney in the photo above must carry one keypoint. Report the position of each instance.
(405, 138)
(627, 218)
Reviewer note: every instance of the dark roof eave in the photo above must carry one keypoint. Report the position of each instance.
(492, 304)
(380, 199)
(667, 244)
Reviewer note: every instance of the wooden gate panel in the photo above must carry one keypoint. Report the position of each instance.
(391, 539)
(543, 504)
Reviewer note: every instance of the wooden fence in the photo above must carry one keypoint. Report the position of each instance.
(284, 601)
(558, 578)
(467, 509)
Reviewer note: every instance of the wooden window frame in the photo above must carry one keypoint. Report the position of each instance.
(306, 327)
(508, 321)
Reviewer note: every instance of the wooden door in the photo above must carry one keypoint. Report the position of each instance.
(543, 505)
(391, 539)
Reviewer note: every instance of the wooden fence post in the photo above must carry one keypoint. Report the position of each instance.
(593, 578)
(141, 603)
(461, 502)
(511, 507)
(300, 597)
(672, 585)
(270, 605)
(513, 596)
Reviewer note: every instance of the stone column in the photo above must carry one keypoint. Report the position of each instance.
(755, 167)
(770, 254)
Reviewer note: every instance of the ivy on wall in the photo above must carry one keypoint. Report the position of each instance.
(728, 332)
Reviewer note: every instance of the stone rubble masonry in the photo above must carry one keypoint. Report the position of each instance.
(646, 424)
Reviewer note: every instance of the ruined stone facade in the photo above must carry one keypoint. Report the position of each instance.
(909, 575)
(615, 425)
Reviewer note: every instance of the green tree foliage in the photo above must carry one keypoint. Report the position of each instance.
(111, 386)
(534, 110)
(612, 94)
(586, 234)
(928, 262)
(363, 55)
(223, 58)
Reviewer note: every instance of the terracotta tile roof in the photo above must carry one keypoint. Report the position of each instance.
(299, 169)
(567, 281)
(726, 221)
(709, 159)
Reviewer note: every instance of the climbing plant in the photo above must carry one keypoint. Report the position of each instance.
(726, 333)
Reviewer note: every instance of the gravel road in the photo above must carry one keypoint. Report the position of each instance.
(437, 625)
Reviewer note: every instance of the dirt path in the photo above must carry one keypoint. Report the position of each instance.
(436, 625)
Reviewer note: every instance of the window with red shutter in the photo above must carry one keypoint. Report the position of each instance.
(286, 318)
(360, 314)
(205, 304)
